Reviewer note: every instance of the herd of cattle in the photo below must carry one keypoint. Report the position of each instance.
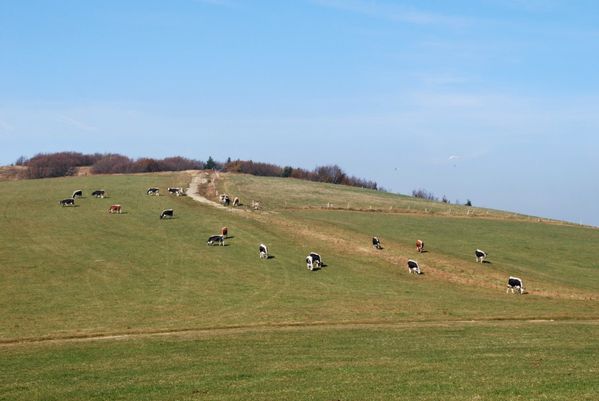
(313, 260)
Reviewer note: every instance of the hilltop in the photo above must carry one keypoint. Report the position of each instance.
(104, 306)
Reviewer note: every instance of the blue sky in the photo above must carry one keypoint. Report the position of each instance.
(493, 101)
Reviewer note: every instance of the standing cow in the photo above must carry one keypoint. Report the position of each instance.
(115, 209)
(77, 194)
(216, 240)
(413, 267)
(376, 243)
(419, 246)
(263, 251)
(236, 201)
(480, 255)
(67, 202)
(515, 283)
(153, 191)
(167, 213)
(313, 260)
(176, 191)
(224, 231)
(99, 193)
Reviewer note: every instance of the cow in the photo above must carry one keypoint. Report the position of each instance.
(225, 200)
(77, 194)
(167, 213)
(176, 191)
(413, 267)
(153, 191)
(419, 246)
(115, 209)
(236, 201)
(99, 193)
(224, 231)
(480, 255)
(376, 243)
(255, 205)
(514, 283)
(216, 240)
(263, 251)
(67, 202)
(313, 260)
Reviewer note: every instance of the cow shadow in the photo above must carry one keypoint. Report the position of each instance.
(270, 257)
(487, 262)
(229, 237)
(423, 251)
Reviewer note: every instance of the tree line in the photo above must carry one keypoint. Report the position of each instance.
(61, 164)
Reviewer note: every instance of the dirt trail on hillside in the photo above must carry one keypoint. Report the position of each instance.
(204, 183)
(206, 332)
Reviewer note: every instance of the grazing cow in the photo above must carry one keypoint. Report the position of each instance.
(480, 255)
(514, 283)
(413, 267)
(115, 209)
(376, 243)
(236, 201)
(167, 213)
(77, 194)
(313, 260)
(67, 202)
(224, 231)
(153, 191)
(99, 193)
(263, 251)
(176, 191)
(419, 245)
(225, 200)
(216, 240)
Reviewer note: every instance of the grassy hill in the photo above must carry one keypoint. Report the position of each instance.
(101, 306)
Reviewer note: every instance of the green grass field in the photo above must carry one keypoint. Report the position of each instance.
(131, 307)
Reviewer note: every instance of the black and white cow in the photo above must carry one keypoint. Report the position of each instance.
(263, 251)
(376, 243)
(153, 191)
(77, 194)
(167, 213)
(515, 283)
(313, 260)
(216, 240)
(176, 191)
(67, 202)
(225, 200)
(413, 267)
(480, 255)
(99, 193)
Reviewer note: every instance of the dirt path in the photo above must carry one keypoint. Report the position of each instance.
(286, 327)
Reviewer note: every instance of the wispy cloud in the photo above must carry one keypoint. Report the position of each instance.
(75, 123)
(393, 12)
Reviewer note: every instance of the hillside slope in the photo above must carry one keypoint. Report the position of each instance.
(81, 273)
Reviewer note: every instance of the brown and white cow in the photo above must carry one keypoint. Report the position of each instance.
(419, 245)
(115, 209)
(224, 231)
(236, 201)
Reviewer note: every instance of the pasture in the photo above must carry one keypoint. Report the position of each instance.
(127, 306)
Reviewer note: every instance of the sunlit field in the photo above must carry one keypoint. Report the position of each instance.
(128, 306)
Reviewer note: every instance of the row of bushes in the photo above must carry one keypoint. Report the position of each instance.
(45, 165)
(332, 174)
